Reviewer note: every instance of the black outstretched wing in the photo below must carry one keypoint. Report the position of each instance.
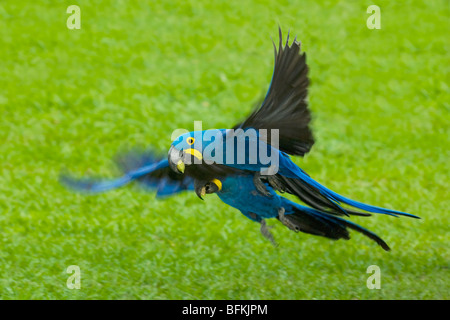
(285, 106)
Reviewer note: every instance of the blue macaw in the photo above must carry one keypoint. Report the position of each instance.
(221, 161)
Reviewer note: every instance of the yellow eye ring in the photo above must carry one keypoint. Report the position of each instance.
(190, 140)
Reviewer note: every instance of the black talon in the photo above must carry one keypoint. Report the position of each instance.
(276, 184)
(265, 231)
(260, 186)
(286, 221)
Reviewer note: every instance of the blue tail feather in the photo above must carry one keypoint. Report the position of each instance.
(316, 222)
(362, 206)
(290, 169)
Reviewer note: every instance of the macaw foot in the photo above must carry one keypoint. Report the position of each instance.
(265, 230)
(286, 221)
(260, 186)
(275, 183)
(259, 180)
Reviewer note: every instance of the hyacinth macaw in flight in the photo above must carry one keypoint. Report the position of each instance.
(247, 165)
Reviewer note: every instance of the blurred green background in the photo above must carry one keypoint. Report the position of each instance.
(137, 70)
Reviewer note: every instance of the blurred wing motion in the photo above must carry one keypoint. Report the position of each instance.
(150, 171)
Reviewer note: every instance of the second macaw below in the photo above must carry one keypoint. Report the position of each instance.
(280, 127)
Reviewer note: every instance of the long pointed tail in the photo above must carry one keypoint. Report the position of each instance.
(320, 223)
(322, 198)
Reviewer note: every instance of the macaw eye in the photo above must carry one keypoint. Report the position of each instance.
(190, 140)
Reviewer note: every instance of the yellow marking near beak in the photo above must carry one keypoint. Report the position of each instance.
(180, 166)
(195, 153)
(218, 183)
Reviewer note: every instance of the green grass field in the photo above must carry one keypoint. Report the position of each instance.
(135, 71)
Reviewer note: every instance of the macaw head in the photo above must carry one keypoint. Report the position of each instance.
(199, 147)
(188, 148)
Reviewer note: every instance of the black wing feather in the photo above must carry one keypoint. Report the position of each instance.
(285, 106)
